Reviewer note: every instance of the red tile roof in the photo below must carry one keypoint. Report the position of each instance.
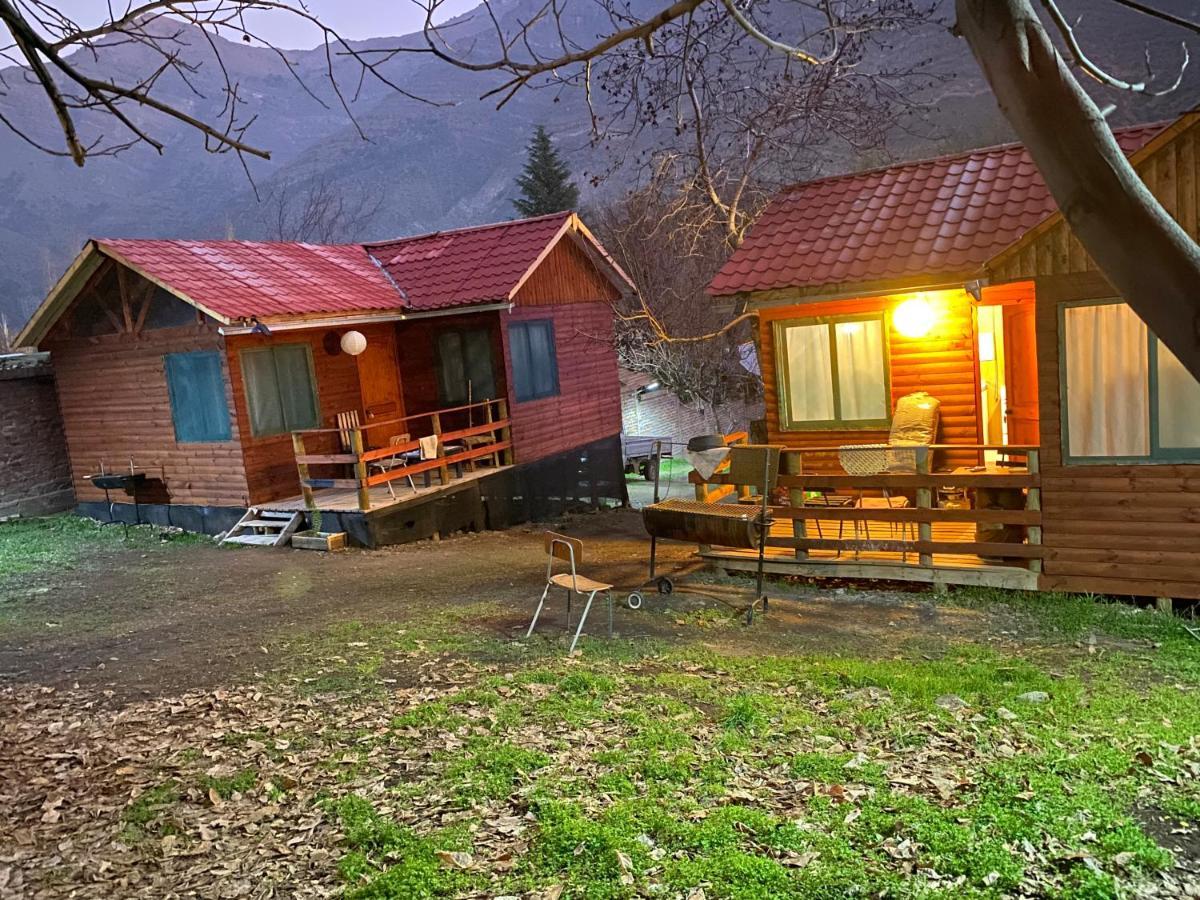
(469, 265)
(244, 279)
(926, 218)
(241, 279)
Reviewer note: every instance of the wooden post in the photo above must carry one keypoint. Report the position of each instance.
(443, 469)
(360, 470)
(489, 417)
(505, 432)
(793, 464)
(1164, 605)
(302, 468)
(924, 501)
(1033, 502)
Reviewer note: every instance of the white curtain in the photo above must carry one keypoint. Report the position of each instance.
(1178, 402)
(860, 370)
(809, 373)
(1108, 392)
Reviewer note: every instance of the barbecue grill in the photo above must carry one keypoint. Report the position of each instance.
(737, 525)
(129, 482)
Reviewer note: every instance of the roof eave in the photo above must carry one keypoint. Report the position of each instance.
(64, 292)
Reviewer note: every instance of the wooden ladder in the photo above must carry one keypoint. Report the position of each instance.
(265, 527)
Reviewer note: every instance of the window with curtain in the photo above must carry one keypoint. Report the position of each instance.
(1125, 395)
(281, 389)
(464, 367)
(534, 366)
(832, 372)
(196, 387)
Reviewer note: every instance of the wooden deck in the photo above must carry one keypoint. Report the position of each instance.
(945, 569)
(346, 499)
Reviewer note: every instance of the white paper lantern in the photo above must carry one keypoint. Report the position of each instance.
(354, 343)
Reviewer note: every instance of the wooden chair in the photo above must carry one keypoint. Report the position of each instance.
(559, 547)
(347, 422)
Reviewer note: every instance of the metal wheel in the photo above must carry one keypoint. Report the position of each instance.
(666, 585)
(634, 600)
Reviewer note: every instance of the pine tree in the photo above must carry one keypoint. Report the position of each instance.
(545, 184)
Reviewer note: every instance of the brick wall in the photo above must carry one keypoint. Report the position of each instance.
(659, 413)
(35, 478)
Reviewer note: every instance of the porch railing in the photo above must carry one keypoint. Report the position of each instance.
(816, 495)
(352, 448)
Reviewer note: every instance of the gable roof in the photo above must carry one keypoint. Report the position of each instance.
(488, 263)
(235, 281)
(928, 218)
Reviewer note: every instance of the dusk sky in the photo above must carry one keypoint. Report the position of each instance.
(352, 18)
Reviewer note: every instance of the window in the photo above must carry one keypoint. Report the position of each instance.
(196, 387)
(535, 370)
(280, 389)
(1125, 395)
(464, 369)
(832, 372)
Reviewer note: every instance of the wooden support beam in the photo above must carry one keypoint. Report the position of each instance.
(302, 469)
(505, 432)
(360, 469)
(150, 287)
(924, 501)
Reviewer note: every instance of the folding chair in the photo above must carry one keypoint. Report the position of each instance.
(395, 462)
(570, 550)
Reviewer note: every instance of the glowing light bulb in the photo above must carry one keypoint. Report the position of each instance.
(914, 318)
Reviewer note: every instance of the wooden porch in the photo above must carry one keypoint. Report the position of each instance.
(965, 526)
(384, 466)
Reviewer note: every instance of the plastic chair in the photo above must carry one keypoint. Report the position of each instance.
(559, 547)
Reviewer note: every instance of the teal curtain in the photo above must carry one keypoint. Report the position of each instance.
(196, 387)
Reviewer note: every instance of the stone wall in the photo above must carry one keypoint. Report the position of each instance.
(35, 478)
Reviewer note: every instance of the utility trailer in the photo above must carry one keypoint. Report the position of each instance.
(640, 456)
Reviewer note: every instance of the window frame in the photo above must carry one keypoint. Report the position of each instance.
(1158, 455)
(556, 390)
(783, 379)
(312, 370)
(461, 331)
(227, 433)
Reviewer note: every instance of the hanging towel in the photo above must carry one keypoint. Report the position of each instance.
(429, 447)
(705, 462)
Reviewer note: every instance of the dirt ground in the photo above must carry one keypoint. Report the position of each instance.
(180, 618)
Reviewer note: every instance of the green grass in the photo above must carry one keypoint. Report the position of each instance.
(645, 769)
(56, 542)
(147, 816)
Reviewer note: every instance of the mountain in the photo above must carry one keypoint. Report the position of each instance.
(446, 162)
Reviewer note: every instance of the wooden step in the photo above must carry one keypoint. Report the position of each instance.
(265, 523)
(265, 540)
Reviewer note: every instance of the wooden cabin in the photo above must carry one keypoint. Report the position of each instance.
(1067, 450)
(282, 376)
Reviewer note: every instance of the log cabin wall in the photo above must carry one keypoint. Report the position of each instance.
(1129, 528)
(587, 407)
(270, 463)
(1119, 529)
(943, 363)
(112, 391)
(1171, 171)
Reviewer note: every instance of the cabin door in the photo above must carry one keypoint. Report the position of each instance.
(379, 384)
(1020, 374)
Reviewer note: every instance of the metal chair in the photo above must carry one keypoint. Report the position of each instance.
(570, 550)
(399, 461)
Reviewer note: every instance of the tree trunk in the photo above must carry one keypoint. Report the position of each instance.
(1142, 251)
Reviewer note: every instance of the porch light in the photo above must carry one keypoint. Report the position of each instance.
(914, 318)
(353, 342)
